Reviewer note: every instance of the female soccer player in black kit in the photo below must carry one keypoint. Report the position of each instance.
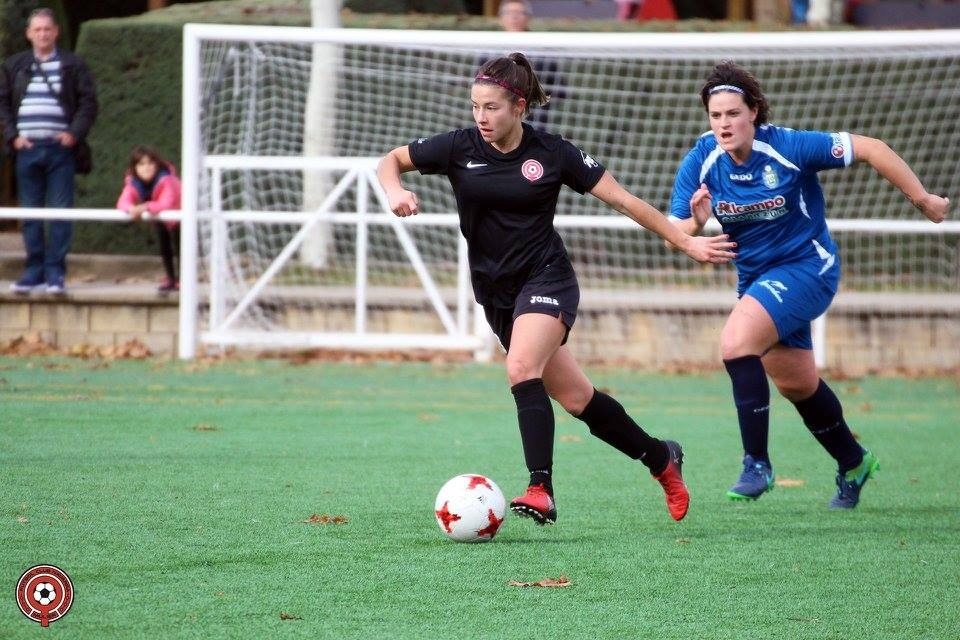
(506, 177)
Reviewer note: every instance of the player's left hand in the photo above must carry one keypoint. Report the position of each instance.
(934, 207)
(712, 249)
(66, 139)
(700, 207)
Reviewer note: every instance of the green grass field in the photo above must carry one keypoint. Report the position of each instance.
(178, 499)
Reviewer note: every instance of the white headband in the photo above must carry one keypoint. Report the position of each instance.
(726, 87)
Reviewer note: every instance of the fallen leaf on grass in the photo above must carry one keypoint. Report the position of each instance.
(289, 616)
(322, 518)
(29, 344)
(789, 482)
(562, 581)
(32, 343)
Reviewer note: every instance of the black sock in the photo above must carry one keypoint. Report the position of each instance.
(535, 416)
(609, 421)
(751, 395)
(823, 415)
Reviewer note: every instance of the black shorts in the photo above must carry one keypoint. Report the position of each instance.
(559, 298)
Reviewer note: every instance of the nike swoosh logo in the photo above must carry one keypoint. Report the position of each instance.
(474, 165)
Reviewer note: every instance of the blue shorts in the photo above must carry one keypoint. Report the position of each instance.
(557, 298)
(795, 295)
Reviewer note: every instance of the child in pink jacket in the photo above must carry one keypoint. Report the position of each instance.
(150, 186)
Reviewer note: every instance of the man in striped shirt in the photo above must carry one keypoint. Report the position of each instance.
(48, 104)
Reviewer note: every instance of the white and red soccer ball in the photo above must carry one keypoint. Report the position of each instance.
(470, 508)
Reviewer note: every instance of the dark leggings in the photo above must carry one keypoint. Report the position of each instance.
(169, 240)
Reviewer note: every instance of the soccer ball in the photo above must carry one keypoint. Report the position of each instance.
(470, 508)
(44, 593)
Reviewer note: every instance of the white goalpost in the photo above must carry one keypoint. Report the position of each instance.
(288, 243)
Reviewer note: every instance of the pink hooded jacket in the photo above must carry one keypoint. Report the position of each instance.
(165, 196)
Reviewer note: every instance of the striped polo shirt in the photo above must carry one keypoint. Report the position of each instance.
(40, 116)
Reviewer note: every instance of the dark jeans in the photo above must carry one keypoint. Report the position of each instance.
(45, 179)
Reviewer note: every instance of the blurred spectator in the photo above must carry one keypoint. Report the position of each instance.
(515, 15)
(48, 102)
(150, 186)
(701, 9)
(657, 10)
(628, 9)
(771, 11)
(798, 11)
(818, 12)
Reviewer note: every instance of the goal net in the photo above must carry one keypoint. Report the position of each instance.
(295, 247)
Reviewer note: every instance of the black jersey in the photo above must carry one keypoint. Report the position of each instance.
(507, 201)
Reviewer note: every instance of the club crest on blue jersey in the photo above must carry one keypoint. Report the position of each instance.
(770, 178)
(837, 149)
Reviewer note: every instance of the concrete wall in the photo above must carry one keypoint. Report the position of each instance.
(92, 316)
(647, 330)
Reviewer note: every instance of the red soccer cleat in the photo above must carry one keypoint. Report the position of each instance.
(671, 479)
(536, 503)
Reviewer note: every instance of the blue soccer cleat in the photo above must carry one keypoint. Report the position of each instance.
(850, 483)
(756, 479)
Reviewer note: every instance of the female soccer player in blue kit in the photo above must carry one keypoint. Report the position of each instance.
(760, 181)
(506, 177)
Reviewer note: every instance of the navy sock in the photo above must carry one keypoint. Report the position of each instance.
(609, 421)
(751, 395)
(535, 416)
(823, 415)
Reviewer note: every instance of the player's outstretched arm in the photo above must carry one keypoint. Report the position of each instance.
(715, 249)
(391, 166)
(897, 172)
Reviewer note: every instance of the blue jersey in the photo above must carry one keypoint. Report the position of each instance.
(772, 206)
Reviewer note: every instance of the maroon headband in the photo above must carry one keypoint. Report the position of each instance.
(503, 83)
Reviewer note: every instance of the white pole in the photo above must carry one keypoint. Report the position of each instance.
(363, 234)
(190, 174)
(317, 135)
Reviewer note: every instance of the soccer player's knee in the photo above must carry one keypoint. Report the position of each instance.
(796, 388)
(574, 400)
(519, 370)
(731, 349)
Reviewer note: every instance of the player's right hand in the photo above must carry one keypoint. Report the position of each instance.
(711, 249)
(934, 207)
(404, 203)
